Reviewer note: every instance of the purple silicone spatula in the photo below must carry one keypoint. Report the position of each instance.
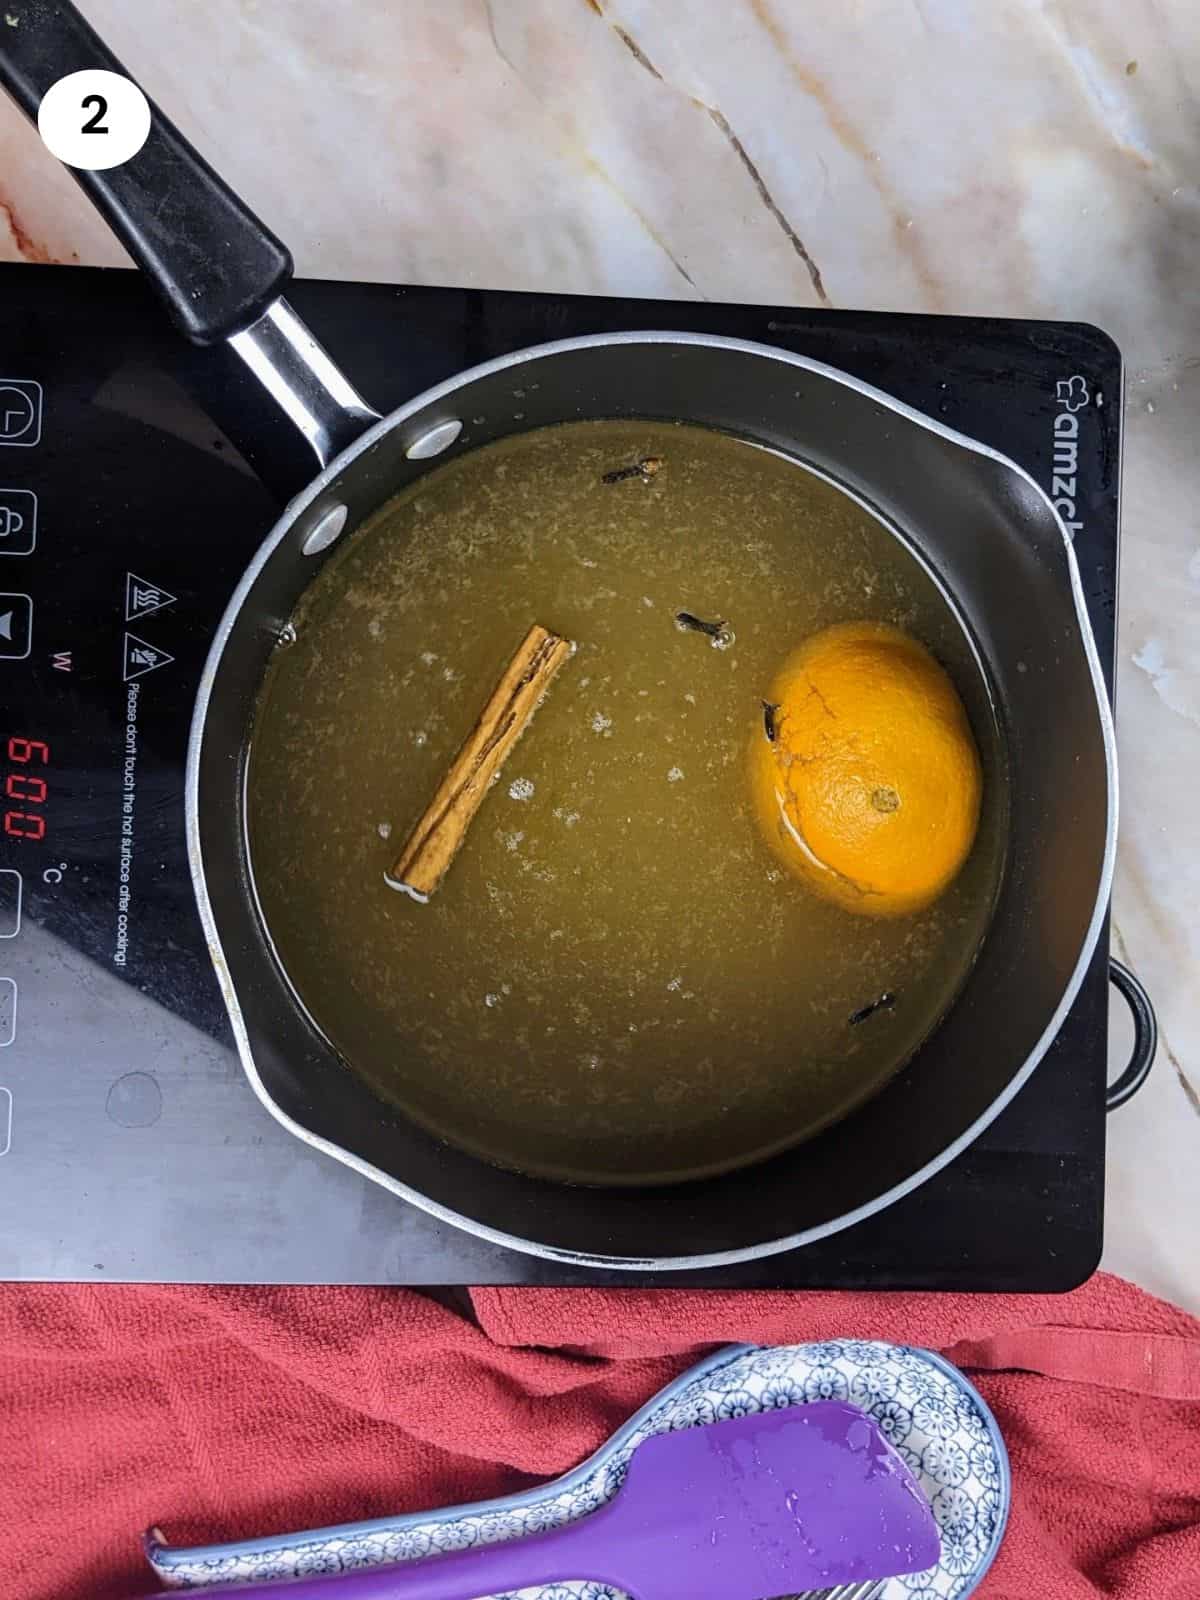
(805, 1497)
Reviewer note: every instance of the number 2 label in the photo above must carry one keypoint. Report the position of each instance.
(94, 120)
(94, 123)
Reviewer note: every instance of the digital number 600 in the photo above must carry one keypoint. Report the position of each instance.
(26, 789)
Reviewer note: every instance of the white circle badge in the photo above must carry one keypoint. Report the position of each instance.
(94, 119)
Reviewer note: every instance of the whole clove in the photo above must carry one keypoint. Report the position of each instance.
(685, 619)
(770, 727)
(645, 469)
(885, 1003)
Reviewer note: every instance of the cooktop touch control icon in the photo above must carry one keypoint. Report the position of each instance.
(8, 1011)
(11, 888)
(18, 522)
(20, 411)
(16, 626)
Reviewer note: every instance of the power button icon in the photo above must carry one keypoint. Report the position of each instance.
(20, 411)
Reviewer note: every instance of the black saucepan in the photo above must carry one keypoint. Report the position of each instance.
(985, 530)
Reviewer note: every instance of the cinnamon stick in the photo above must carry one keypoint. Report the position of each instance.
(435, 841)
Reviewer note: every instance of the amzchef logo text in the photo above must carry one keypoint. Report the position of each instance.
(1071, 395)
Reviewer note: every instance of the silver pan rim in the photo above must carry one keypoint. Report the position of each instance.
(446, 1214)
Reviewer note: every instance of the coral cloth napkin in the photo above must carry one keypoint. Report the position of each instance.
(223, 1413)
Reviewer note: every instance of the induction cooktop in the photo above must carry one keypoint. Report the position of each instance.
(131, 1145)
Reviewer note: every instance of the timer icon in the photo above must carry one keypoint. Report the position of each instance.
(20, 411)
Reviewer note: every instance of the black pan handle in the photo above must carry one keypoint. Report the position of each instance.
(219, 271)
(1145, 1036)
(209, 257)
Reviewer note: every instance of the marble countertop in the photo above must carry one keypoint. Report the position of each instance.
(1032, 158)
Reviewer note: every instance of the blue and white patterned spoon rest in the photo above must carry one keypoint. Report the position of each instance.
(933, 1416)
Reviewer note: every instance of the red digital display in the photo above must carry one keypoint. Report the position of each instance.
(25, 791)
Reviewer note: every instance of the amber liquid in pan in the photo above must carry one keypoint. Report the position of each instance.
(616, 982)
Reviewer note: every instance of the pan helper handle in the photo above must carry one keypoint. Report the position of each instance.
(218, 269)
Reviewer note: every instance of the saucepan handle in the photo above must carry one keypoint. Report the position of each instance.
(215, 265)
(218, 269)
(1145, 1036)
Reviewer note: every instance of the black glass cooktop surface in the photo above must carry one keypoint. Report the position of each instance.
(131, 1146)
